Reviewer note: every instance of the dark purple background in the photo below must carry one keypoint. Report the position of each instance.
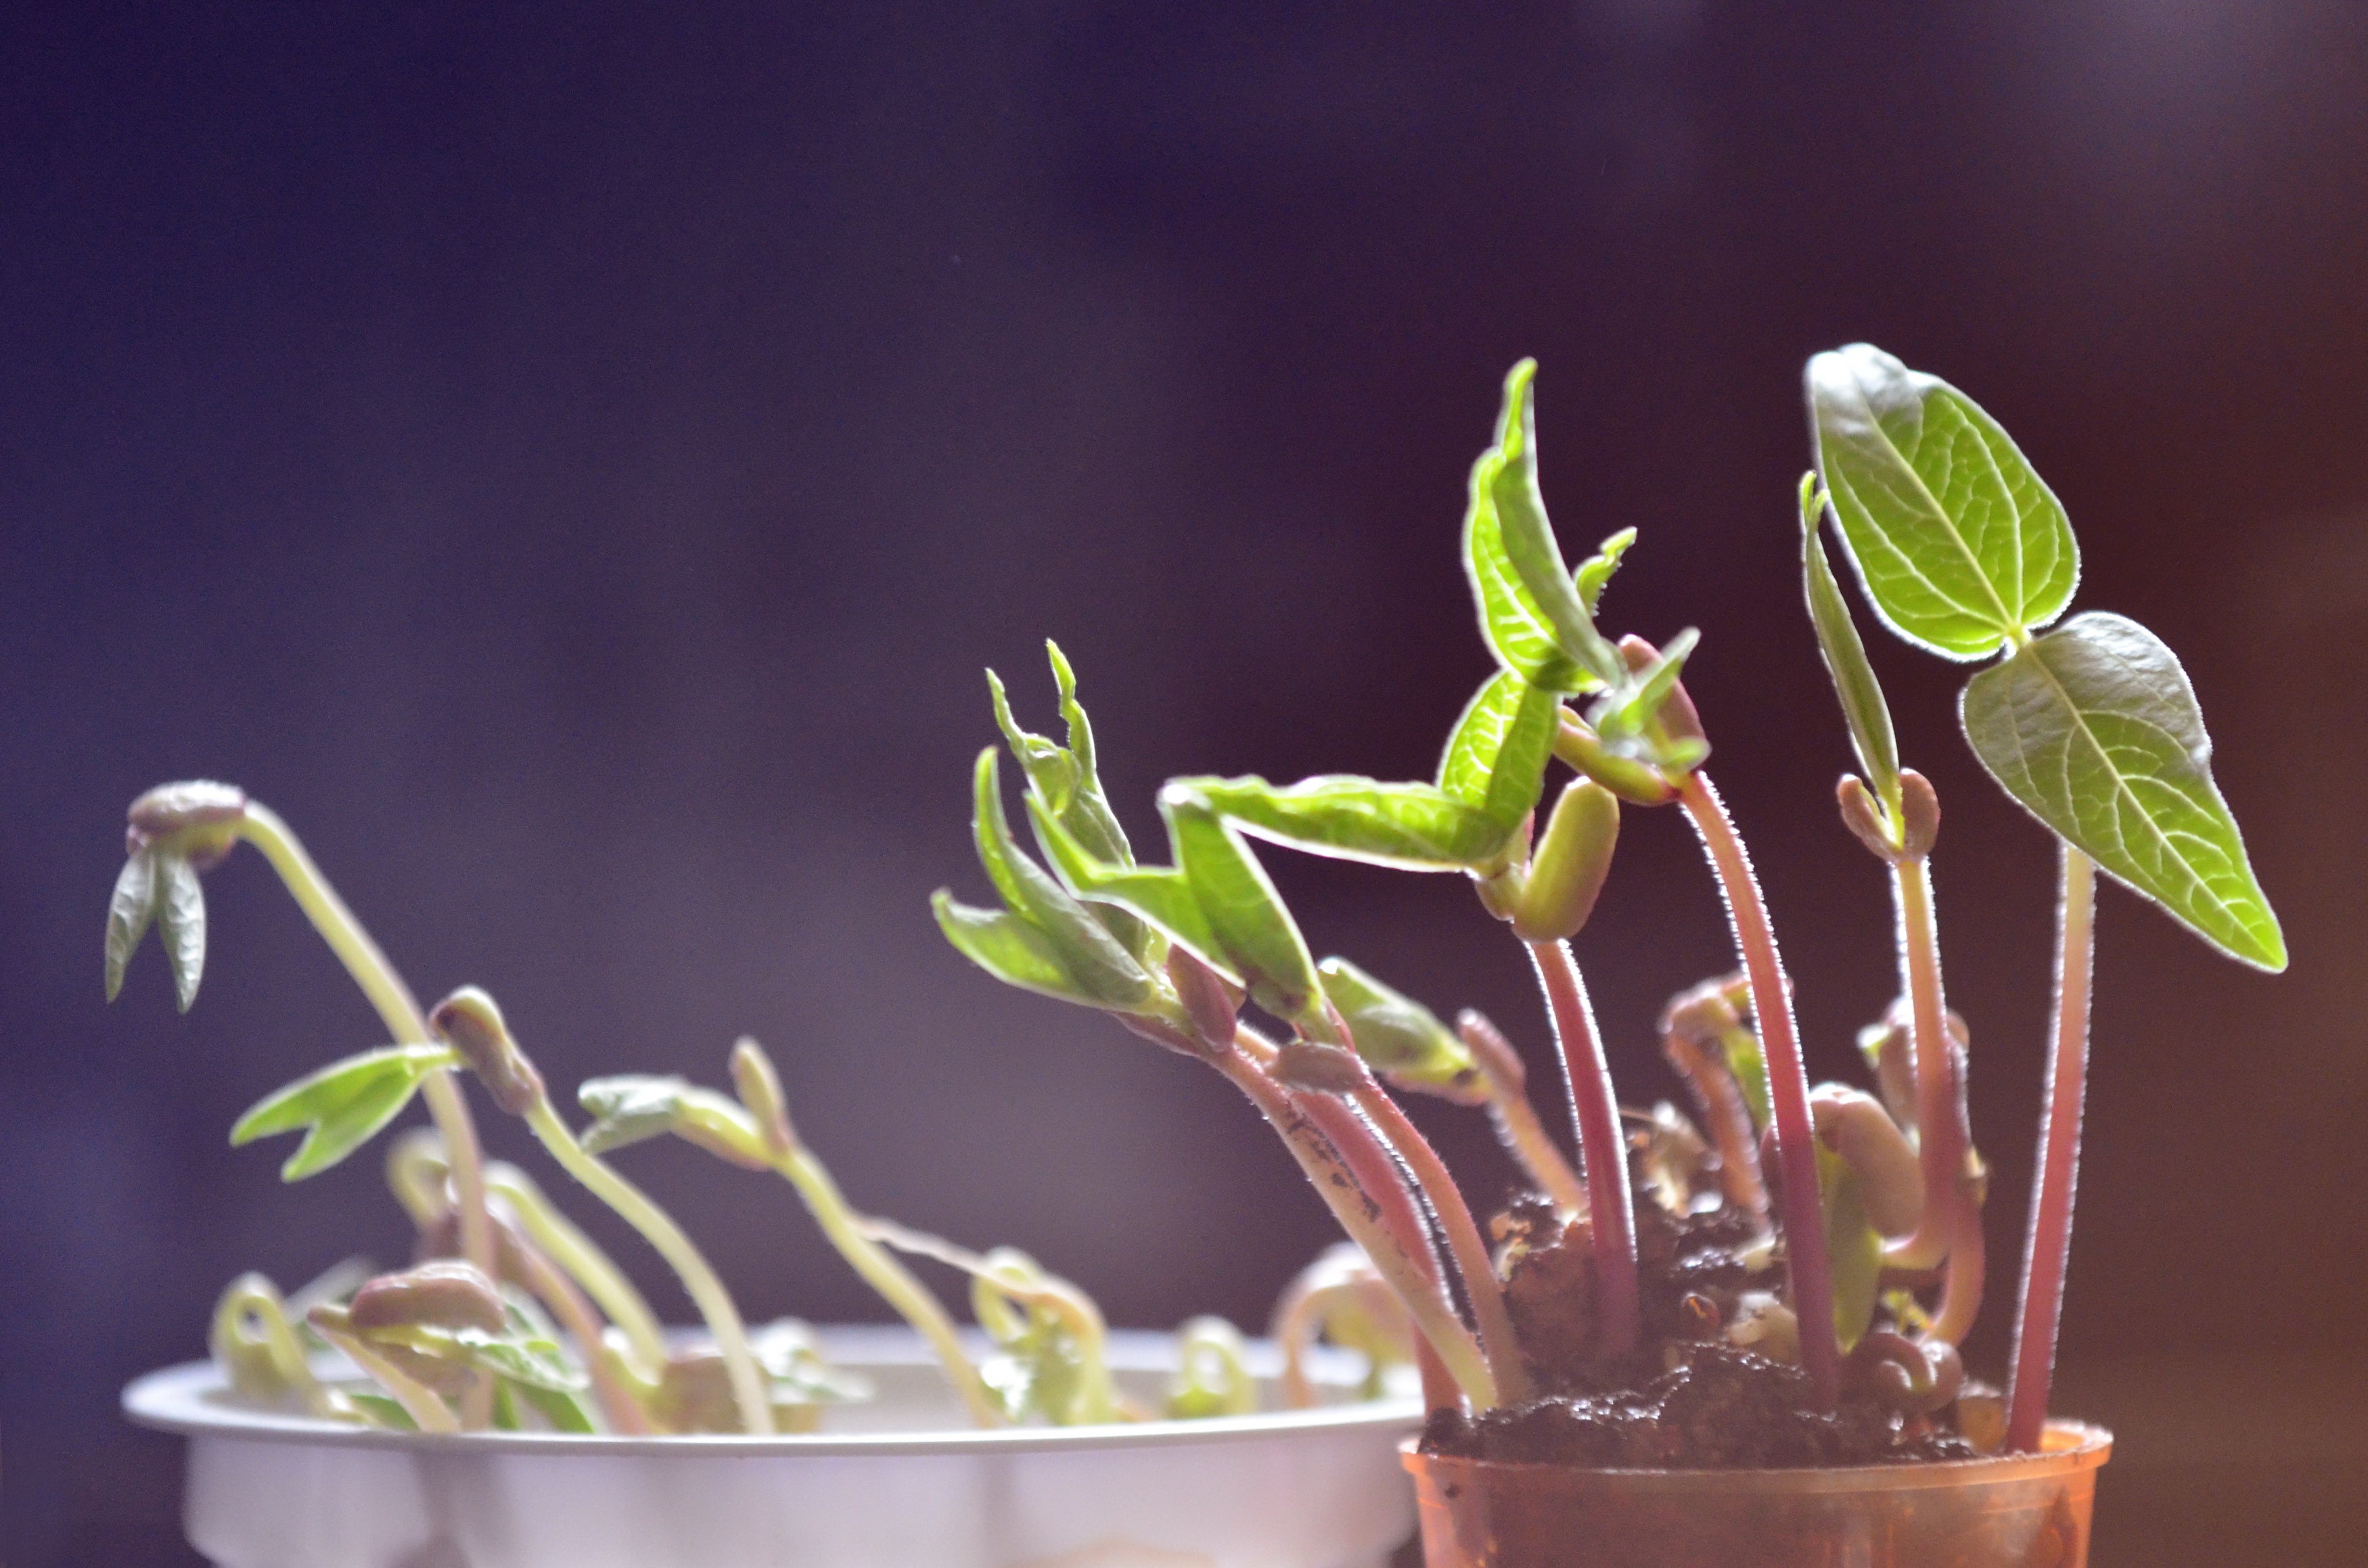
(573, 460)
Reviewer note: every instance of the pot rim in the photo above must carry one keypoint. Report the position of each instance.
(2069, 1447)
(188, 1399)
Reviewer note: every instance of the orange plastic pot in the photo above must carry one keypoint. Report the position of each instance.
(2017, 1511)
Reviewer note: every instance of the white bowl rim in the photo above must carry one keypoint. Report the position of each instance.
(187, 1399)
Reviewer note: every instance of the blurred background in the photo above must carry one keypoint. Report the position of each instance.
(576, 461)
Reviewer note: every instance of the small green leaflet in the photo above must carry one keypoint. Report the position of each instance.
(2096, 731)
(1862, 694)
(1853, 1249)
(1961, 545)
(342, 1104)
(1414, 827)
(129, 913)
(1160, 895)
(1394, 1033)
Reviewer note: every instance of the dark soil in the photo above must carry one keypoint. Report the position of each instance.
(1686, 1400)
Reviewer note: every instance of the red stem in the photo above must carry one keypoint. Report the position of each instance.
(1788, 1083)
(1603, 1152)
(2041, 1306)
(1497, 1340)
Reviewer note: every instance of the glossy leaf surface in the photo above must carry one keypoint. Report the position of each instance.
(1961, 545)
(2095, 730)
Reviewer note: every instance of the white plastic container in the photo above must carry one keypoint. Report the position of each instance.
(902, 1481)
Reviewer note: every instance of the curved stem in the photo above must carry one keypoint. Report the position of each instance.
(567, 1304)
(891, 1278)
(423, 1404)
(2036, 1316)
(559, 1239)
(1729, 1120)
(1788, 1083)
(396, 1009)
(1518, 1126)
(706, 1292)
(1350, 1171)
(1603, 1152)
(1481, 1287)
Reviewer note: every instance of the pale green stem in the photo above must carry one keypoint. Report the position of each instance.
(396, 1009)
(891, 1278)
(580, 1255)
(423, 1404)
(706, 1292)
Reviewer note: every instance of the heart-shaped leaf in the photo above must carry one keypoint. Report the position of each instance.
(1961, 545)
(181, 923)
(2096, 731)
(1838, 641)
(129, 913)
(1495, 759)
(342, 1104)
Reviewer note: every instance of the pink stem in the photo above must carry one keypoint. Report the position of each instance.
(2041, 1306)
(1788, 1083)
(1603, 1152)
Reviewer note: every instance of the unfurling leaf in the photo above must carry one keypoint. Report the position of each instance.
(1516, 629)
(129, 913)
(1095, 960)
(1063, 782)
(342, 1104)
(1496, 758)
(181, 923)
(1528, 539)
(1625, 712)
(1595, 570)
(1254, 930)
(1005, 946)
(632, 1106)
(1414, 827)
(1397, 1035)
(1159, 895)
(2095, 730)
(1838, 641)
(1961, 545)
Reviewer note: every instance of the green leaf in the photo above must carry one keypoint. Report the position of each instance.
(1748, 1063)
(1008, 948)
(1960, 544)
(1416, 827)
(342, 1104)
(383, 1411)
(1094, 958)
(1853, 1248)
(1495, 759)
(1394, 1033)
(1595, 570)
(1245, 912)
(1862, 694)
(1628, 709)
(628, 1108)
(1528, 539)
(1516, 630)
(129, 911)
(2095, 730)
(1158, 895)
(1064, 776)
(181, 923)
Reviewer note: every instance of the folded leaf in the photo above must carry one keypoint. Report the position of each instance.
(1496, 758)
(1416, 827)
(629, 1107)
(1094, 958)
(1395, 1034)
(1246, 916)
(129, 912)
(1528, 539)
(1838, 641)
(342, 1104)
(1626, 710)
(181, 923)
(1961, 545)
(2096, 731)
(1008, 948)
(1516, 630)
